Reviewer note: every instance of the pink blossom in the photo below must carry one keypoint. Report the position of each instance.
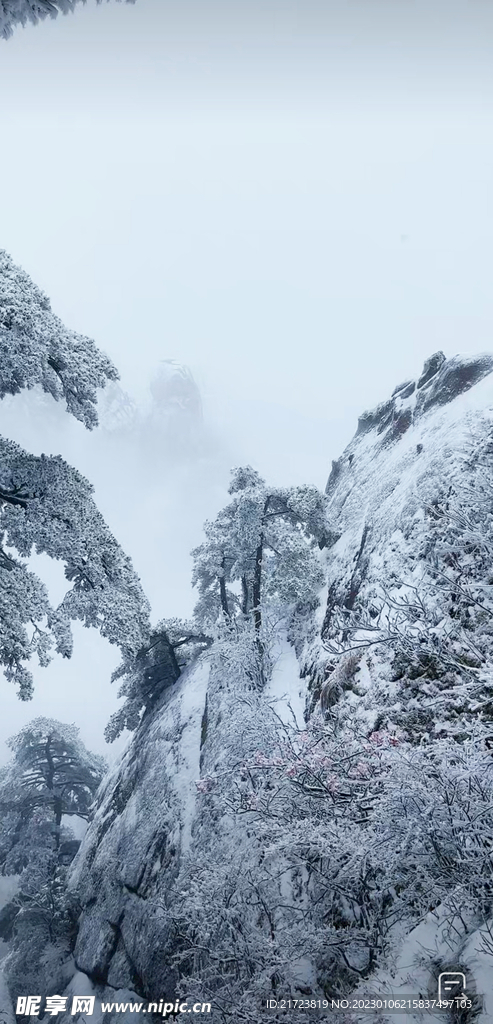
(379, 737)
(205, 785)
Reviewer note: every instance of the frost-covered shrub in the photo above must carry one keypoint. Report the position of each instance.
(333, 840)
(40, 959)
(431, 613)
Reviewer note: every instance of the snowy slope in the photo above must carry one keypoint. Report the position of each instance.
(407, 462)
(406, 448)
(285, 687)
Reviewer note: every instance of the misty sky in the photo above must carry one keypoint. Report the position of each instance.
(293, 198)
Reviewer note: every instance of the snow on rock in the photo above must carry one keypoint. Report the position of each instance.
(134, 846)
(286, 689)
(385, 468)
(381, 494)
(192, 707)
(411, 455)
(173, 386)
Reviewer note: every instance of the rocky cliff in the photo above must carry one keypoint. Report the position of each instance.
(396, 654)
(414, 480)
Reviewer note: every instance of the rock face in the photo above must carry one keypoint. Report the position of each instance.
(134, 846)
(387, 496)
(405, 453)
(408, 433)
(173, 388)
(441, 381)
(404, 459)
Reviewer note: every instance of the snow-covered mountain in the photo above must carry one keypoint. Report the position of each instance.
(417, 439)
(252, 855)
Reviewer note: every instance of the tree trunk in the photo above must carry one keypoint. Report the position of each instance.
(257, 576)
(257, 584)
(50, 783)
(245, 595)
(257, 593)
(224, 596)
(58, 811)
(50, 771)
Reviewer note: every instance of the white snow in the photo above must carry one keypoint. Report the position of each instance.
(285, 686)
(383, 479)
(410, 974)
(192, 704)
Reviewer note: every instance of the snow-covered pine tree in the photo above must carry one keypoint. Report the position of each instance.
(20, 12)
(46, 506)
(172, 644)
(261, 555)
(51, 775)
(262, 547)
(261, 551)
(37, 349)
(51, 770)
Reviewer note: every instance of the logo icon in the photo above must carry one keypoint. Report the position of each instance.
(451, 985)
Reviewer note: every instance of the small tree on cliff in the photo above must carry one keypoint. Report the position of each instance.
(172, 644)
(52, 774)
(261, 548)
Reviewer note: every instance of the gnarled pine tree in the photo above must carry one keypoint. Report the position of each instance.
(46, 506)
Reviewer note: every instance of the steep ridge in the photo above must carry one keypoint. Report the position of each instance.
(396, 663)
(395, 497)
(420, 430)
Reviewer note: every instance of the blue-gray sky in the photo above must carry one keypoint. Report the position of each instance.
(293, 198)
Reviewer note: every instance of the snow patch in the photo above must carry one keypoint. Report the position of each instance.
(192, 704)
(285, 686)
